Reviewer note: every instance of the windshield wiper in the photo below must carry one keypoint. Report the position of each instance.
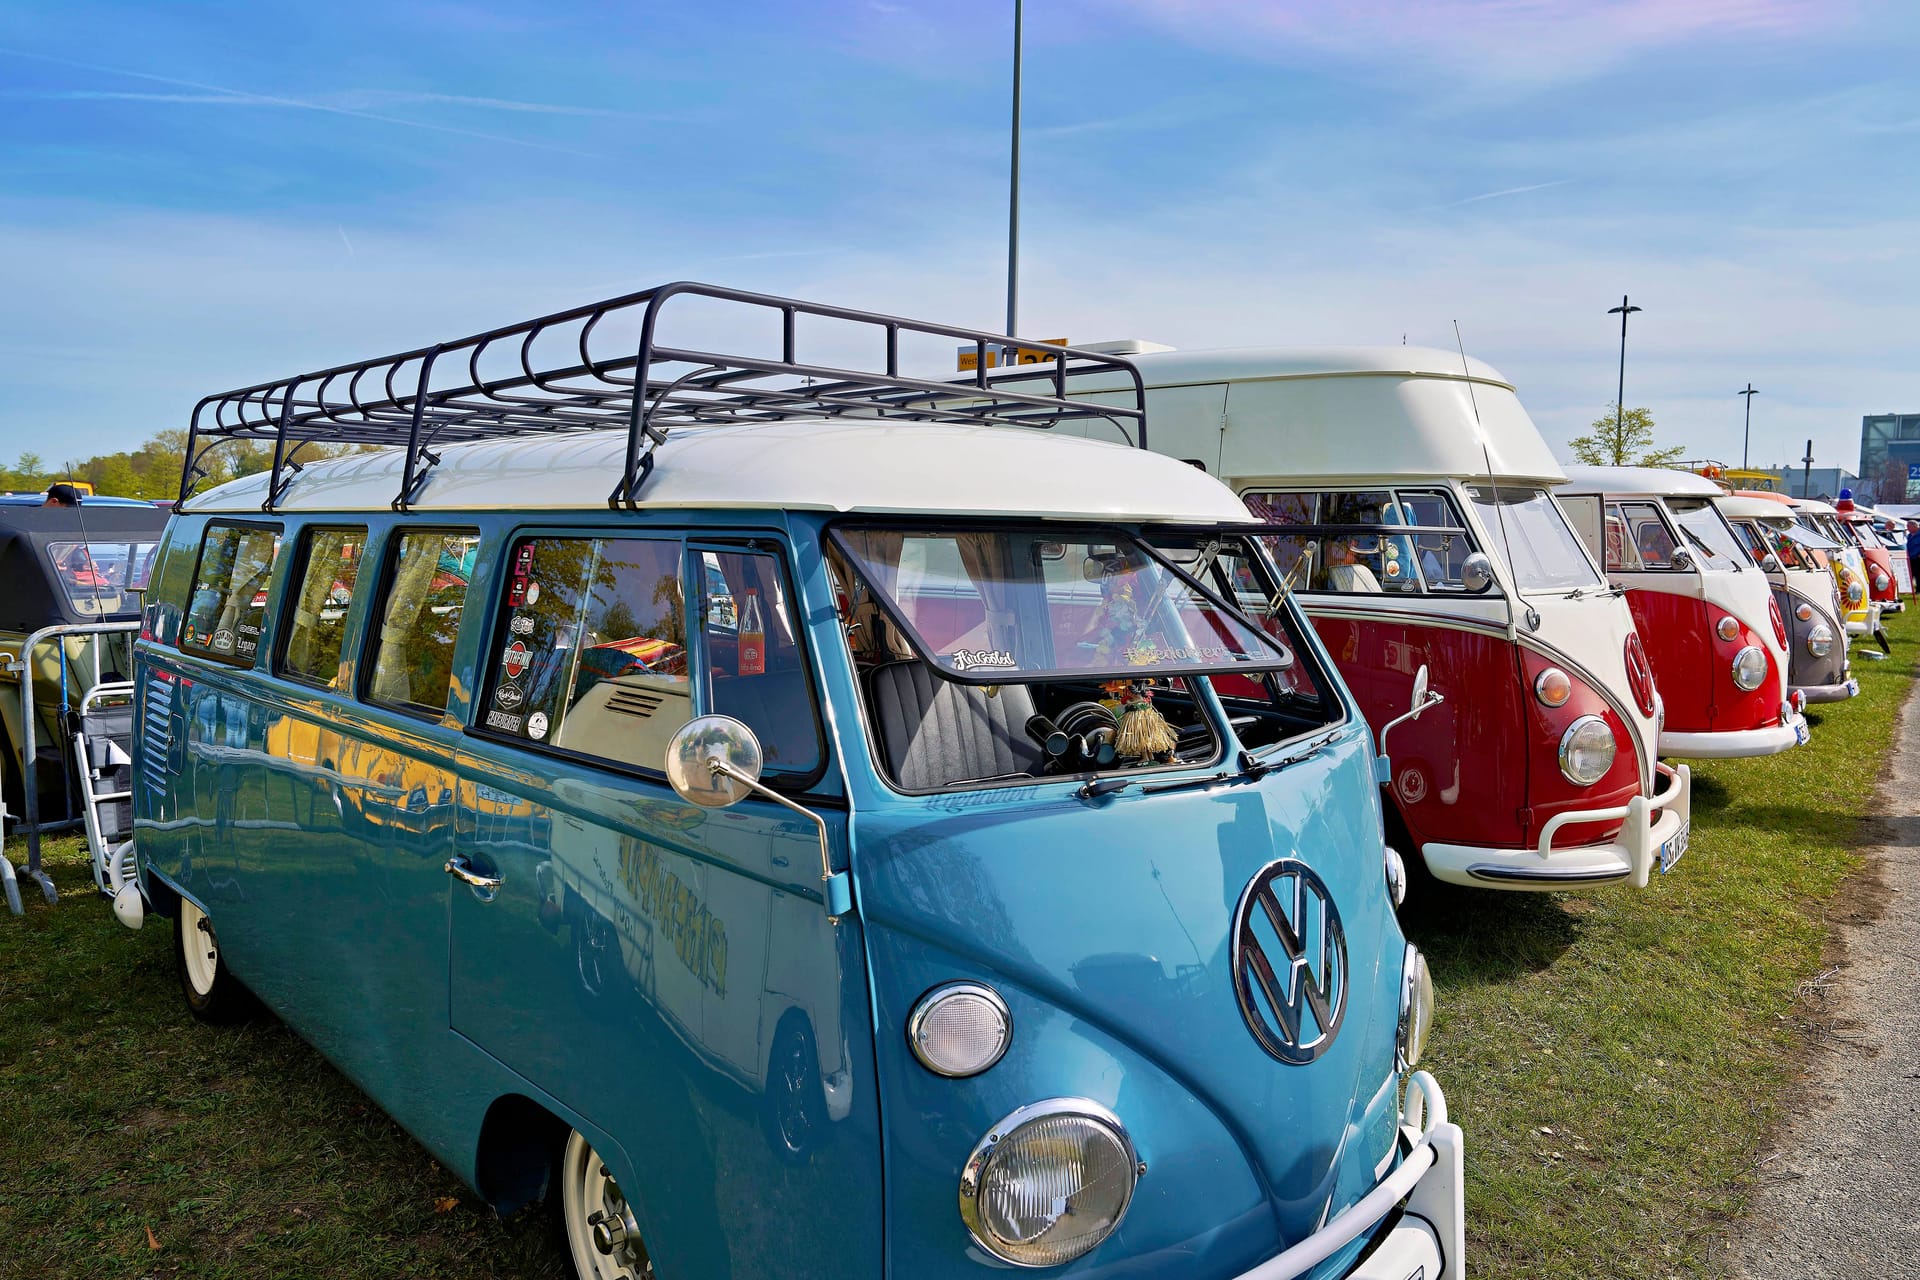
(1254, 764)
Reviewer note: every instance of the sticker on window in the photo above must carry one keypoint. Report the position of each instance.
(537, 725)
(968, 659)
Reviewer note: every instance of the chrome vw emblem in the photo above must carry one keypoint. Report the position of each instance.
(1290, 961)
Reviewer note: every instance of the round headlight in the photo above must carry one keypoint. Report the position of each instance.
(1728, 628)
(1416, 1007)
(1050, 1182)
(1586, 751)
(1552, 687)
(960, 1029)
(1880, 579)
(1820, 640)
(1804, 612)
(1749, 668)
(1855, 592)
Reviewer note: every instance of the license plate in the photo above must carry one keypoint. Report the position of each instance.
(1800, 734)
(1853, 687)
(1673, 850)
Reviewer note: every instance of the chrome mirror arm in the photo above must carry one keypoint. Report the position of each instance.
(835, 887)
(1431, 699)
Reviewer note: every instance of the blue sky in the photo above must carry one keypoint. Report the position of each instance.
(198, 196)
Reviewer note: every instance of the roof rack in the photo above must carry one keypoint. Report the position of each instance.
(409, 400)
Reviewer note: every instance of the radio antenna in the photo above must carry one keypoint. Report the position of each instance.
(86, 546)
(1499, 508)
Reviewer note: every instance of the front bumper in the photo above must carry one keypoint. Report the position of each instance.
(1649, 823)
(1789, 733)
(1864, 626)
(1847, 688)
(1430, 1239)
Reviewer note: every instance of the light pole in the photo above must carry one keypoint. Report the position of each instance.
(1746, 437)
(1013, 188)
(1620, 397)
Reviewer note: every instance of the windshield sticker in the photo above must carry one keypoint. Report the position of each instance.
(533, 593)
(537, 725)
(504, 722)
(515, 659)
(521, 626)
(1149, 655)
(223, 640)
(508, 696)
(968, 659)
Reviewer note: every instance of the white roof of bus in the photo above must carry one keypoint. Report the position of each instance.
(1738, 508)
(1664, 482)
(1322, 414)
(1813, 504)
(813, 465)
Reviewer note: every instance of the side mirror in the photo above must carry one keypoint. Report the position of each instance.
(1423, 698)
(1771, 564)
(1682, 560)
(1476, 572)
(714, 761)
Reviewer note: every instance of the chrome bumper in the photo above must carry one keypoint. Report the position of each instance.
(1848, 688)
(1789, 733)
(1649, 823)
(1432, 1232)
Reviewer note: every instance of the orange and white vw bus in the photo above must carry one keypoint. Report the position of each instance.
(1410, 504)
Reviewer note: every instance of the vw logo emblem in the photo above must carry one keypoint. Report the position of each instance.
(1290, 961)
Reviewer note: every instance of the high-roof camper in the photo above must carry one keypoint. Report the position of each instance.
(1409, 502)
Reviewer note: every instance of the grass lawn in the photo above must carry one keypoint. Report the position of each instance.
(1617, 1059)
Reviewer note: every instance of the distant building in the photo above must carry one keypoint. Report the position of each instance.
(1824, 483)
(1889, 456)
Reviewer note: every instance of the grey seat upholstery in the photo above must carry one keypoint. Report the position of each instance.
(937, 732)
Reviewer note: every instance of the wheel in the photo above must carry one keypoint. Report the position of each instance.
(213, 993)
(796, 1109)
(599, 1225)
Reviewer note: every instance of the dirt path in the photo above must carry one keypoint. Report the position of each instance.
(1835, 1198)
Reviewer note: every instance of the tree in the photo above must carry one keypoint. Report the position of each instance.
(1624, 440)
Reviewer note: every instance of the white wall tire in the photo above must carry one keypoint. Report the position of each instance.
(599, 1225)
(213, 993)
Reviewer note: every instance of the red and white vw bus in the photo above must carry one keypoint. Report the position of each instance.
(1704, 610)
(1410, 507)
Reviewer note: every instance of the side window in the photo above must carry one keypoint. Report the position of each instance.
(1645, 542)
(321, 596)
(591, 655)
(426, 593)
(1348, 561)
(229, 602)
(1438, 557)
(754, 661)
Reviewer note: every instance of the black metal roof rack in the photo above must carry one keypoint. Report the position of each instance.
(411, 400)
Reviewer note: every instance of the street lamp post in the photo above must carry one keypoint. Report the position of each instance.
(1746, 436)
(1013, 187)
(1620, 397)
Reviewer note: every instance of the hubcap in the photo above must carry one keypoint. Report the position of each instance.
(601, 1230)
(200, 949)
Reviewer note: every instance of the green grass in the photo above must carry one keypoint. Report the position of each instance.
(1618, 1060)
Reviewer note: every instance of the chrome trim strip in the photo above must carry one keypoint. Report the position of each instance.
(1488, 871)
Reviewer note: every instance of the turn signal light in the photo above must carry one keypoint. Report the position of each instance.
(1728, 628)
(1552, 687)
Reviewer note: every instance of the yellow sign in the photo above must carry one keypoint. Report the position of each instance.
(996, 356)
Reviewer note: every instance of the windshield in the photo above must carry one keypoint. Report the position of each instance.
(987, 605)
(1707, 530)
(1542, 550)
(102, 577)
(1760, 544)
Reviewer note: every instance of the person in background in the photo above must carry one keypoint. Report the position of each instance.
(62, 495)
(1913, 551)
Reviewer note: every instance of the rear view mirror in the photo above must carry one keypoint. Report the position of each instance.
(714, 761)
(1476, 572)
(1420, 688)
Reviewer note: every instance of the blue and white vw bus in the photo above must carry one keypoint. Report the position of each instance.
(874, 840)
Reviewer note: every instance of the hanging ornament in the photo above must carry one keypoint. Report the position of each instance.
(1144, 733)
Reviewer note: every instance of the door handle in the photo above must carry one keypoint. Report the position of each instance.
(458, 868)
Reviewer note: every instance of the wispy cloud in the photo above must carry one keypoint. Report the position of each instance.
(1507, 191)
(1507, 40)
(345, 101)
(224, 95)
